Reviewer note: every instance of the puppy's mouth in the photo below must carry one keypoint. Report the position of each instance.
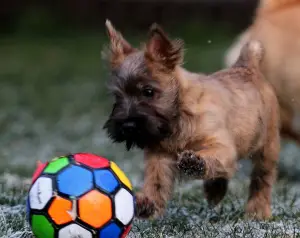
(128, 131)
(134, 132)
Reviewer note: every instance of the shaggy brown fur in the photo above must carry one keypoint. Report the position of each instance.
(193, 124)
(277, 26)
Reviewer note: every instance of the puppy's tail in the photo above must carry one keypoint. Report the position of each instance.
(233, 52)
(251, 55)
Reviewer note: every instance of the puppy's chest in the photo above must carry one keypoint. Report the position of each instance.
(178, 144)
(173, 144)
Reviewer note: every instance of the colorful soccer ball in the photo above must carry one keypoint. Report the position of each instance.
(80, 195)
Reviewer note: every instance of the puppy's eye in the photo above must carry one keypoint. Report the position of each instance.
(148, 92)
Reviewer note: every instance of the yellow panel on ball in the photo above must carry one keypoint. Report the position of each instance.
(120, 174)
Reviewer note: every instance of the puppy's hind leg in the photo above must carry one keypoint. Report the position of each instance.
(262, 178)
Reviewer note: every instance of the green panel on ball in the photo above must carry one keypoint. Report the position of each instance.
(41, 227)
(56, 165)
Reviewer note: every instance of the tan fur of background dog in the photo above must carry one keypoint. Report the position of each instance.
(221, 118)
(277, 26)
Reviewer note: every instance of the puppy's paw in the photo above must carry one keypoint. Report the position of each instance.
(190, 164)
(258, 209)
(145, 208)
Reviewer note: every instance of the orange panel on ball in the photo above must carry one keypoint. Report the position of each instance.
(95, 209)
(59, 210)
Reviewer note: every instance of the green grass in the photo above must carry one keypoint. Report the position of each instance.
(53, 101)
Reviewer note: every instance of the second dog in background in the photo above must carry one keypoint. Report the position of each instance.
(277, 26)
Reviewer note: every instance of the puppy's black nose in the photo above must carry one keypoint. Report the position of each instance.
(129, 126)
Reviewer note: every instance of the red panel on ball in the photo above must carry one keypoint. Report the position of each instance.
(91, 160)
(39, 170)
(127, 230)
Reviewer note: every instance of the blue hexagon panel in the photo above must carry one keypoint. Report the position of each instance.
(110, 231)
(75, 181)
(106, 180)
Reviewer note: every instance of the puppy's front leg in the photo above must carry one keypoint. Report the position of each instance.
(215, 159)
(159, 178)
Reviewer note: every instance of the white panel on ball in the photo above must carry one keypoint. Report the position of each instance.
(40, 193)
(74, 230)
(124, 206)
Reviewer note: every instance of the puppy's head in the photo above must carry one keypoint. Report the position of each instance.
(143, 83)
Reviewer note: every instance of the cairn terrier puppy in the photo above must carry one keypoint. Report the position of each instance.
(276, 25)
(191, 123)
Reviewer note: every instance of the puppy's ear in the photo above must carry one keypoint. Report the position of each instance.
(161, 49)
(119, 48)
